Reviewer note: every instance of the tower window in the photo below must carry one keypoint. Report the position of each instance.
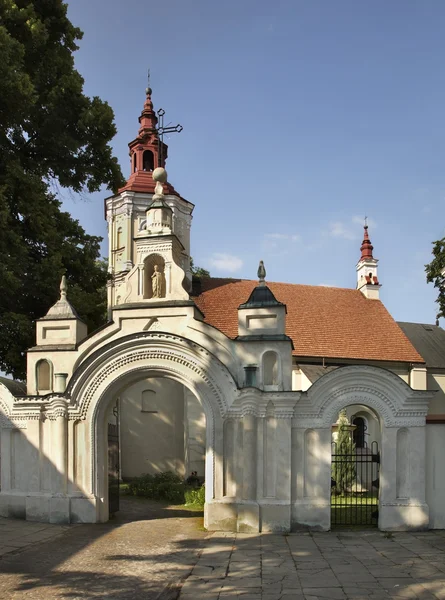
(148, 160)
(135, 158)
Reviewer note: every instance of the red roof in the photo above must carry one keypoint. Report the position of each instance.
(321, 321)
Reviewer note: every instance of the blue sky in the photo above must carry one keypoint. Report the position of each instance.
(300, 118)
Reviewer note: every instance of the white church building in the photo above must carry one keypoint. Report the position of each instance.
(241, 381)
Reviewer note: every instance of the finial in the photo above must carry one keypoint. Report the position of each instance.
(148, 89)
(366, 248)
(160, 176)
(261, 273)
(63, 288)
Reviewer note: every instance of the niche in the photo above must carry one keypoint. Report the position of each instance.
(270, 368)
(119, 239)
(44, 376)
(154, 277)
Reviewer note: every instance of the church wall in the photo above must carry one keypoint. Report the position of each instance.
(436, 381)
(152, 428)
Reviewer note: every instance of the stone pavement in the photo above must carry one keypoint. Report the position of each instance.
(146, 552)
(16, 534)
(150, 550)
(330, 566)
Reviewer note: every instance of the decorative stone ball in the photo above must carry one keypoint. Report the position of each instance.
(160, 174)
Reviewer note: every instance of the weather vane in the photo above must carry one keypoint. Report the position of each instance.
(162, 129)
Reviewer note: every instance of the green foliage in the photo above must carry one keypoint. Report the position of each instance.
(198, 271)
(160, 486)
(435, 273)
(195, 496)
(166, 486)
(51, 136)
(343, 471)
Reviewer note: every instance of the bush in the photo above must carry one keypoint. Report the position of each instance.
(195, 496)
(160, 486)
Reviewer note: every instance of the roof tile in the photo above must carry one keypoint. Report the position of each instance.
(321, 321)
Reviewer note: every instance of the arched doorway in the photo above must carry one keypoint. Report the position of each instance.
(156, 428)
(122, 363)
(355, 468)
(401, 413)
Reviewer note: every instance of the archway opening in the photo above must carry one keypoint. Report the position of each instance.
(156, 446)
(355, 468)
(148, 160)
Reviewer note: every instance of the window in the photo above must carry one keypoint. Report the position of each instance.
(135, 168)
(44, 376)
(148, 160)
(358, 435)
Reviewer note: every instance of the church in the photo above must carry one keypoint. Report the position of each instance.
(246, 382)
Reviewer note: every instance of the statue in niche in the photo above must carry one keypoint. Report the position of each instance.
(157, 283)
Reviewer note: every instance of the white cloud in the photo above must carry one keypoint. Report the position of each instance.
(340, 230)
(225, 262)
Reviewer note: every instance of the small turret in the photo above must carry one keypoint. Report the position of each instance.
(61, 325)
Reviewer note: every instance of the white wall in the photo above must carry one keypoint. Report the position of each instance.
(436, 381)
(152, 442)
(435, 475)
(195, 432)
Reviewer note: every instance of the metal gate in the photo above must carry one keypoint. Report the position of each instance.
(113, 464)
(355, 486)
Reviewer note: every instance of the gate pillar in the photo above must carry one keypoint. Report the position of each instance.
(248, 512)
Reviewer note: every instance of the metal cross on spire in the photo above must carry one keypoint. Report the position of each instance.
(161, 130)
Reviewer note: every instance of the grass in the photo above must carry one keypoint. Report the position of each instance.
(354, 510)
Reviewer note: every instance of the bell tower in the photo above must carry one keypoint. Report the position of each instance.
(148, 223)
(367, 280)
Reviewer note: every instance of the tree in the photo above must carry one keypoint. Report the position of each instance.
(198, 271)
(52, 136)
(435, 273)
(343, 465)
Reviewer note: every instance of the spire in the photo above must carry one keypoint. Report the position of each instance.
(366, 247)
(261, 295)
(147, 150)
(367, 279)
(62, 309)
